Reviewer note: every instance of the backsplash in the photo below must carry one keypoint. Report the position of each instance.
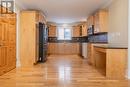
(96, 38)
(74, 40)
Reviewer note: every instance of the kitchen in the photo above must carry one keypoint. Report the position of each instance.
(95, 34)
(98, 43)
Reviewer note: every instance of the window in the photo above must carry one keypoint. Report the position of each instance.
(64, 34)
(60, 34)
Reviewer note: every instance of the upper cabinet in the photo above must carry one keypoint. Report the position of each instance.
(101, 21)
(90, 21)
(76, 31)
(52, 31)
(84, 29)
(40, 17)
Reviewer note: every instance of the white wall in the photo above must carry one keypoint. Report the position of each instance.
(118, 23)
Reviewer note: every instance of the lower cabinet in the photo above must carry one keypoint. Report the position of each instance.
(90, 52)
(64, 48)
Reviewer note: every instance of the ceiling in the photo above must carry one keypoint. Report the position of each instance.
(64, 11)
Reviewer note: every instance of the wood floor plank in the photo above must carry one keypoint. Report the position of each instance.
(59, 71)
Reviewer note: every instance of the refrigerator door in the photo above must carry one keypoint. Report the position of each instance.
(43, 39)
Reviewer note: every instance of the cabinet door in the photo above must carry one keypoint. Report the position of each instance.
(101, 21)
(90, 21)
(69, 48)
(84, 30)
(52, 48)
(76, 31)
(89, 53)
(96, 23)
(60, 48)
(52, 31)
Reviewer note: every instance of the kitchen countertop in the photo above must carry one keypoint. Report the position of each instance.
(111, 47)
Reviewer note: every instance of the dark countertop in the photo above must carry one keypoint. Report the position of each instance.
(111, 47)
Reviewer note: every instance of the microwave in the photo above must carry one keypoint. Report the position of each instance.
(90, 30)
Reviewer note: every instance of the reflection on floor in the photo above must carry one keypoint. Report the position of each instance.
(59, 71)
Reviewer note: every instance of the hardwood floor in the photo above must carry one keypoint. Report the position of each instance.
(59, 71)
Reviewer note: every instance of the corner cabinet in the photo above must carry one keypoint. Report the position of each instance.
(29, 38)
(101, 21)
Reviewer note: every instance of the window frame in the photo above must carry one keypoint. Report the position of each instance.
(64, 33)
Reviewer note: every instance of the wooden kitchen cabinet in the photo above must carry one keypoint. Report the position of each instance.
(52, 48)
(29, 36)
(84, 29)
(7, 42)
(52, 31)
(67, 49)
(90, 21)
(40, 17)
(109, 63)
(101, 21)
(90, 53)
(76, 31)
